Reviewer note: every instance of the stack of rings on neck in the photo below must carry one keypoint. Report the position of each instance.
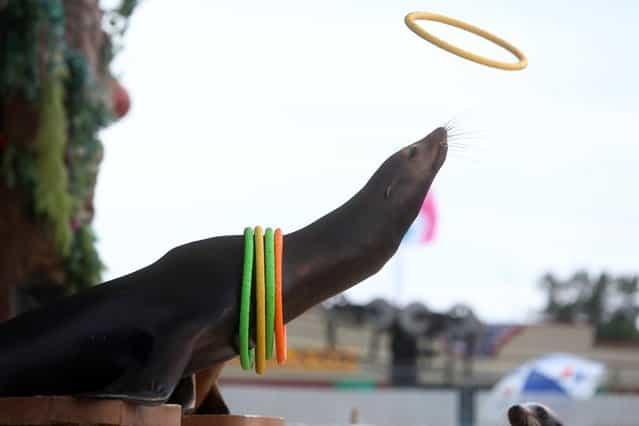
(263, 252)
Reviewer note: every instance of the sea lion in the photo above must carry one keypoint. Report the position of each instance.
(532, 414)
(137, 336)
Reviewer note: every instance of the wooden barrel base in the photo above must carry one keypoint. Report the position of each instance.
(231, 420)
(68, 411)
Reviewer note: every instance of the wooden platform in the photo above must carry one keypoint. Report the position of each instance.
(231, 420)
(65, 410)
(68, 411)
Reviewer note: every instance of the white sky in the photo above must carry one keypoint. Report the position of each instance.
(274, 113)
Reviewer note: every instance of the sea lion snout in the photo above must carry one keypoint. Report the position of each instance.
(431, 150)
(439, 136)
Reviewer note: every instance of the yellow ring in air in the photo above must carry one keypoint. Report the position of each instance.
(426, 16)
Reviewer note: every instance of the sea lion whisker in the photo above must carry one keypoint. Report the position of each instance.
(457, 138)
(451, 124)
(466, 134)
(467, 159)
(467, 142)
(473, 135)
(464, 140)
(463, 143)
(462, 146)
(464, 156)
(459, 131)
(459, 149)
(464, 149)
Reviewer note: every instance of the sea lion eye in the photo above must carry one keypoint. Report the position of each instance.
(412, 152)
(387, 193)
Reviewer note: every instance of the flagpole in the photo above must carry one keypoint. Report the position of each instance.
(428, 213)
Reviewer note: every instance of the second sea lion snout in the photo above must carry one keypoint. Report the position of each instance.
(532, 414)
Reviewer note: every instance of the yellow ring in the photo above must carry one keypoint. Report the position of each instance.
(510, 66)
(260, 302)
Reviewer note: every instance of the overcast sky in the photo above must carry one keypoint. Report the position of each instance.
(274, 113)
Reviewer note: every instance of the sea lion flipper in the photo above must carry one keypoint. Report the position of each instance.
(209, 400)
(154, 382)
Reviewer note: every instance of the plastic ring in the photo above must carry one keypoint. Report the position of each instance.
(246, 353)
(269, 256)
(509, 66)
(280, 328)
(260, 302)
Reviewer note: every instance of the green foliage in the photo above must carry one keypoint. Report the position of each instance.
(595, 305)
(50, 195)
(87, 114)
(83, 264)
(39, 169)
(597, 302)
(22, 21)
(58, 170)
(619, 328)
(126, 8)
(117, 23)
(17, 169)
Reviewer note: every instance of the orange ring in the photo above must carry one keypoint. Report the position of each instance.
(280, 328)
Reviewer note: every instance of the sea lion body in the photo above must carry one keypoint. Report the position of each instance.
(137, 336)
(138, 325)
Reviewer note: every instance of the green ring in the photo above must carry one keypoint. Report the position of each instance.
(246, 354)
(269, 259)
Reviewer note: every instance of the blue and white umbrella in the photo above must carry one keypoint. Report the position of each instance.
(561, 375)
(553, 375)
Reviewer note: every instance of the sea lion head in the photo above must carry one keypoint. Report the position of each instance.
(405, 178)
(354, 241)
(532, 414)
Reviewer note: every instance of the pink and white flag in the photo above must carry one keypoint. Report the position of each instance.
(423, 229)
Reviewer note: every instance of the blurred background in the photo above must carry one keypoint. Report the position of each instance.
(186, 120)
